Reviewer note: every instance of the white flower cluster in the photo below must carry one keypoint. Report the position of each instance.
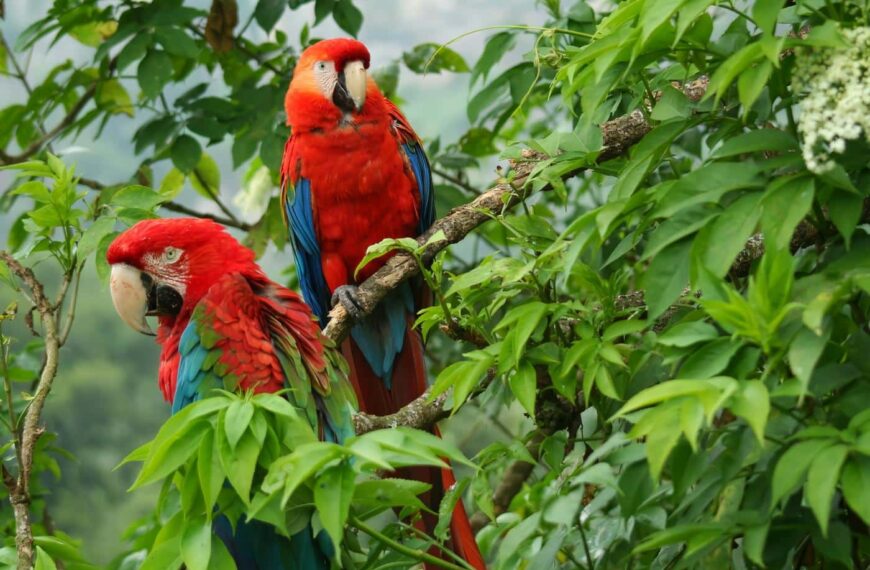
(836, 105)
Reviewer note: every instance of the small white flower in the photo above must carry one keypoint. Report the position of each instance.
(836, 98)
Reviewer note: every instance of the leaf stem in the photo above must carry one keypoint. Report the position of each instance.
(399, 547)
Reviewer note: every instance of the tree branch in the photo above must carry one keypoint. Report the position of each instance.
(512, 481)
(619, 135)
(19, 495)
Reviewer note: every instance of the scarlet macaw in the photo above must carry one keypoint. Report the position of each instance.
(358, 175)
(223, 324)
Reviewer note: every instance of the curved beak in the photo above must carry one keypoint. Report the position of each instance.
(130, 297)
(350, 92)
(137, 295)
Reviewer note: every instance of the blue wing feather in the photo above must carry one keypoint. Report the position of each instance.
(423, 174)
(306, 250)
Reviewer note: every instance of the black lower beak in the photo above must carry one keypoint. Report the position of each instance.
(341, 96)
(162, 299)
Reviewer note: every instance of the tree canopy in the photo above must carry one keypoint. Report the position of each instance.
(652, 316)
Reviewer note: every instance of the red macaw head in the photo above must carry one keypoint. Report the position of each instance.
(164, 267)
(330, 82)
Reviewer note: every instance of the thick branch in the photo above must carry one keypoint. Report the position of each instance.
(422, 413)
(619, 135)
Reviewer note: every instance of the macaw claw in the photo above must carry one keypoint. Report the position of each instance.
(348, 296)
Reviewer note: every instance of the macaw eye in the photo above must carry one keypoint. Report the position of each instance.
(171, 254)
(321, 66)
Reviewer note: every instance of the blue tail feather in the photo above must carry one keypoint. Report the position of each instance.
(381, 335)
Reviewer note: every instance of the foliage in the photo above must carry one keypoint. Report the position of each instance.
(684, 322)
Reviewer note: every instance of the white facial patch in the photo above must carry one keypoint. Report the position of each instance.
(326, 77)
(168, 267)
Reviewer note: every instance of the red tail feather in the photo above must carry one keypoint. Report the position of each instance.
(409, 381)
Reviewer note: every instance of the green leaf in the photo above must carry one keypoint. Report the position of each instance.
(710, 359)
(43, 560)
(432, 58)
(672, 389)
(752, 82)
(523, 320)
(727, 235)
(196, 544)
(447, 507)
(210, 471)
(172, 184)
(752, 403)
(623, 328)
(138, 197)
(804, 352)
(221, 559)
(661, 440)
(170, 453)
(845, 211)
(524, 385)
(92, 237)
(494, 50)
(731, 68)
(112, 96)
(759, 140)
(666, 276)
(347, 16)
(682, 224)
(206, 177)
(673, 105)
(176, 41)
(687, 334)
(822, 482)
(765, 14)
(268, 12)
(792, 466)
(185, 153)
(784, 205)
(332, 493)
(390, 492)
(855, 482)
(240, 463)
(236, 421)
(155, 71)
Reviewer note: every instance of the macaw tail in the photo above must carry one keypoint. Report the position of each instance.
(404, 383)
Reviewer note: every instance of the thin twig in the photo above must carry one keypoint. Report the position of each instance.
(399, 547)
(455, 180)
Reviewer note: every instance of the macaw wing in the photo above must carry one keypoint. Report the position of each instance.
(260, 336)
(299, 211)
(416, 159)
(225, 345)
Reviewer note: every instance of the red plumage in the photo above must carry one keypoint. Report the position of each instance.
(363, 190)
(221, 273)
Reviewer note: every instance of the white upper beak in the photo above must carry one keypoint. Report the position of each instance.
(129, 297)
(355, 81)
